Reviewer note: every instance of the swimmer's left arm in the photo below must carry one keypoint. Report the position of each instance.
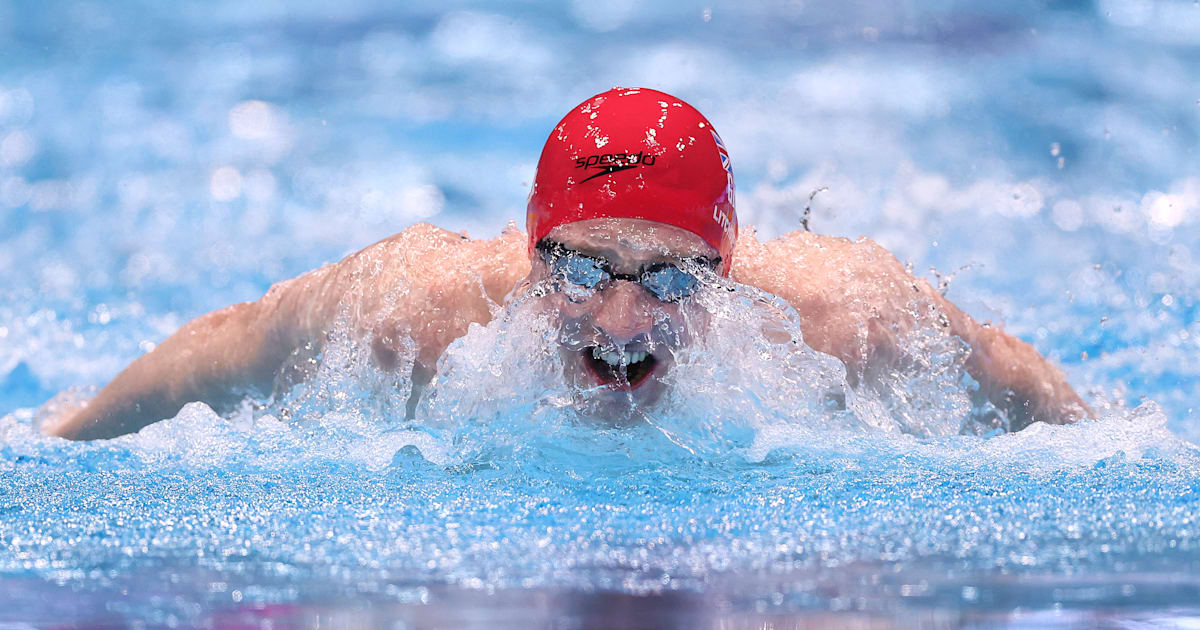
(856, 301)
(1012, 374)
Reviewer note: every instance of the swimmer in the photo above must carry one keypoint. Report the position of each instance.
(631, 211)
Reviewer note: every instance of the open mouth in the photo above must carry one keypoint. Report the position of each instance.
(619, 369)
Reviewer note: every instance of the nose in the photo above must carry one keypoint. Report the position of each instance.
(625, 312)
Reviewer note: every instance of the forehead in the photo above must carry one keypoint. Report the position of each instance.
(631, 238)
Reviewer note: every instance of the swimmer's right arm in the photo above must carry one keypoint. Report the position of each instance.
(213, 359)
(446, 281)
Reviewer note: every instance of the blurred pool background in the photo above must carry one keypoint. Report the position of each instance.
(161, 160)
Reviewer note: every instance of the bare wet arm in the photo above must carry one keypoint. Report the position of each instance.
(215, 358)
(424, 284)
(857, 302)
(1011, 373)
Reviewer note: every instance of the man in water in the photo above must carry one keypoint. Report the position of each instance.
(631, 212)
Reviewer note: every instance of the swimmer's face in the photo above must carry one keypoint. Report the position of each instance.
(621, 290)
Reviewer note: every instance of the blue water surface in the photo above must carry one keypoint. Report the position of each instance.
(162, 160)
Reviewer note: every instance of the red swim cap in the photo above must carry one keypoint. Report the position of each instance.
(638, 154)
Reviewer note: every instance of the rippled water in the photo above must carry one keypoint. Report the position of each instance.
(157, 163)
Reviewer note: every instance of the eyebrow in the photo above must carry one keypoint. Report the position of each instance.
(557, 248)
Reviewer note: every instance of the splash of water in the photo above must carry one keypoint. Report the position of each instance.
(762, 458)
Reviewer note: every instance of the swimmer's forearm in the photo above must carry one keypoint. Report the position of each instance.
(1014, 376)
(425, 283)
(212, 359)
(833, 278)
(1027, 386)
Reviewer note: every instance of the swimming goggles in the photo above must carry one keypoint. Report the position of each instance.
(665, 280)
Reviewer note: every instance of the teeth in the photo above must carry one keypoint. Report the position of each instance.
(612, 357)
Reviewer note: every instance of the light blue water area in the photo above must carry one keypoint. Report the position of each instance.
(158, 161)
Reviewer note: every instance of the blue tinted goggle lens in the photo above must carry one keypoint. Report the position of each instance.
(665, 280)
(584, 271)
(668, 282)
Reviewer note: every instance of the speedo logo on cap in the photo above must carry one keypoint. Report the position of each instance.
(608, 163)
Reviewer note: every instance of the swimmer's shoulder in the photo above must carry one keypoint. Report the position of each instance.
(423, 239)
(800, 239)
(809, 269)
(421, 255)
(808, 249)
(441, 260)
(419, 238)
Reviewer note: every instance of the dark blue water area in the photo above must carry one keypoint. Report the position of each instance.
(159, 161)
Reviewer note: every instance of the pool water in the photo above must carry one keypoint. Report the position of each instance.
(160, 162)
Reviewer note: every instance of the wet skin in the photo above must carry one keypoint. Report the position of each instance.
(424, 286)
(605, 333)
